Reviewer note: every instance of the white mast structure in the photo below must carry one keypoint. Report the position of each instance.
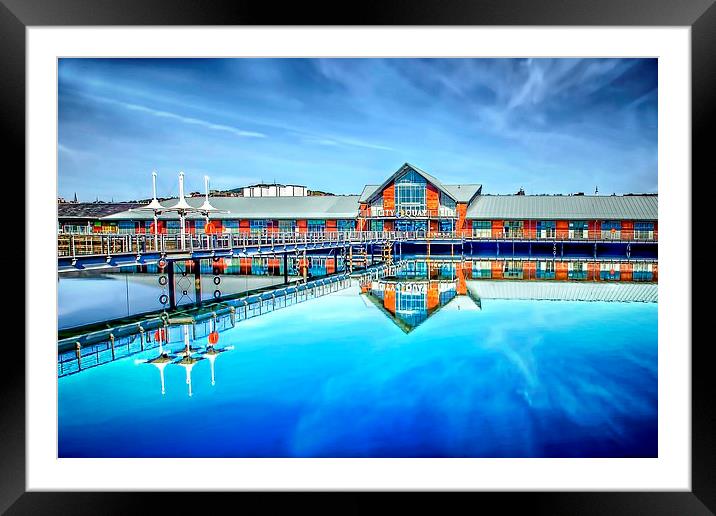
(155, 207)
(182, 208)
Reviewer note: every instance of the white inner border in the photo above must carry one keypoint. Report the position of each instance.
(670, 471)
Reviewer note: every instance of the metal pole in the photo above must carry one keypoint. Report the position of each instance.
(197, 281)
(172, 287)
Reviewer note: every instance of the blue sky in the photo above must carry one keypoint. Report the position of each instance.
(547, 125)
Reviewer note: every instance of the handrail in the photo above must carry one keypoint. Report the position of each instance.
(110, 244)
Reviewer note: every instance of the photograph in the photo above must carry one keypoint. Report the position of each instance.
(374, 257)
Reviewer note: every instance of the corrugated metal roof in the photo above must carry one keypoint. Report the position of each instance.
(588, 207)
(564, 291)
(368, 190)
(463, 193)
(309, 207)
(91, 210)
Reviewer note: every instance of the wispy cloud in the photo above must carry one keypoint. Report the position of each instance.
(184, 119)
(550, 125)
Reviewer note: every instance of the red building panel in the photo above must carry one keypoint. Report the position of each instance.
(594, 229)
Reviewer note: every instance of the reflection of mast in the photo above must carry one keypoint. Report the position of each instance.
(160, 363)
(211, 355)
(187, 362)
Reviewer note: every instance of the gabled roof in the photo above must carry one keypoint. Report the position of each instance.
(367, 192)
(309, 207)
(463, 193)
(574, 207)
(430, 179)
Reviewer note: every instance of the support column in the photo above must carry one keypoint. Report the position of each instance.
(172, 286)
(197, 281)
(285, 268)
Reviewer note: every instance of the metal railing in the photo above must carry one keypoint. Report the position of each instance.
(89, 350)
(110, 244)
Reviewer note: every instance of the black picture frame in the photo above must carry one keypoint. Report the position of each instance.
(700, 15)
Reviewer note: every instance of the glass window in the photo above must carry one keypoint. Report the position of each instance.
(514, 228)
(287, 226)
(173, 226)
(546, 228)
(578, 229)
(257, 226)
(513, 269)
(447, 225)
(346, 225)
(577, 270)
(611, 229)
(376, 225)
(643, 230)
(316, 226)
(410, 191)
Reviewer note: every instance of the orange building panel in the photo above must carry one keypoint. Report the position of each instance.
(389, 197)
(389, 300)
(562, 228)
(432, 200)
(627, 230)
(497, 227)
(561, 271)
(529, 270)
(497, 270)
(626, 271)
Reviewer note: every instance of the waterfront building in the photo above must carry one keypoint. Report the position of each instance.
(409, 200)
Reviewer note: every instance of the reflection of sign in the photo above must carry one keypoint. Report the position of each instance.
(415, 288)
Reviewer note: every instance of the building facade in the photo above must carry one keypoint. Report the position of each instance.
(408, 200)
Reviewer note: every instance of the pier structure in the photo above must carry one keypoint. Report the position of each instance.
(411, 212)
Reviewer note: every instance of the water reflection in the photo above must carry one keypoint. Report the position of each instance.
(186, 357)
(424, 286)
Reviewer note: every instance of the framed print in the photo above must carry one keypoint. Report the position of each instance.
(423, 252)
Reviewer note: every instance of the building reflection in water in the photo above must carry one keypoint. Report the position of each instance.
(424, 286)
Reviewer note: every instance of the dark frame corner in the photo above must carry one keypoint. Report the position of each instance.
(700, 15)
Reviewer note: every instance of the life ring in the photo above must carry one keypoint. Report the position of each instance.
(217, 294)
(217, 280)
(163, 280)
(163, 299)
(213, 337)
(209, 228)
(162, 263)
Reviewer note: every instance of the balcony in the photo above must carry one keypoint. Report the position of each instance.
(408, 213)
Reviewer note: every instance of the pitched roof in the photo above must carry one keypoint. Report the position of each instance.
(463, 193)
(318, 207)
(368, 190)
(432, 180)
(91, 210)
(459, 193)
(633, 207)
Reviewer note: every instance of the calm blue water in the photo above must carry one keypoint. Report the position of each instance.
(335, 377)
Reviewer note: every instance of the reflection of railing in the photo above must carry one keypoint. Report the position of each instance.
(90, 350)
